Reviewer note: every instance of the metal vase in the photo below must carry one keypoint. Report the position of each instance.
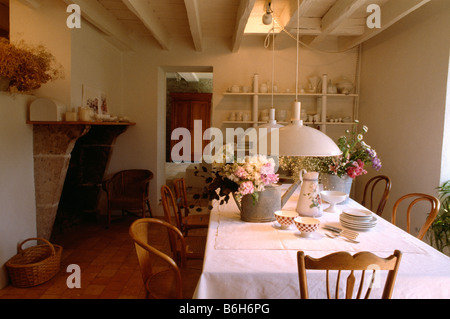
(335, 183)
(262, 210)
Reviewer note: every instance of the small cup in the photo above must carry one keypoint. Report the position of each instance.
(306, 225)
(285, 218)
(235, 89)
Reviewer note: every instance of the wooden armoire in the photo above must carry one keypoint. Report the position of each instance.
(185, 109)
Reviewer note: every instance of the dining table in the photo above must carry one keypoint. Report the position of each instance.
(245, 260)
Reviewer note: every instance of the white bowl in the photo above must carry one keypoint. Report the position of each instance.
(285, 217)
(333, 198)
(307, 225)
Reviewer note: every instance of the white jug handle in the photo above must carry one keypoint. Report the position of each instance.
(303, 171)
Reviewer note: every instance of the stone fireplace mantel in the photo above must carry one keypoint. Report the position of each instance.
(53, 143)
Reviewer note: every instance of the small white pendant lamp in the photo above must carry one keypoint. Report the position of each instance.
(299, 140)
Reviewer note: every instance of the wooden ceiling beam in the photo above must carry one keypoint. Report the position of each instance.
(243, 14)
(99, 17)
(143, 11)
(391, 12)
(337, 15)
(34, 4)
(294, 11)
(194, 23)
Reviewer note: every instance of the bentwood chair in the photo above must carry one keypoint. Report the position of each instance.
(128, 191)
(195, 244)
(339, 261)
(188, 221)
(370, 202)
(163, 277)
(416, 198)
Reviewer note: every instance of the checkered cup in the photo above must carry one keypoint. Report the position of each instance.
(306, 225)
(285, 218)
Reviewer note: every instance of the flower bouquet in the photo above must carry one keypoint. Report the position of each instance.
(355, 155)
(246, 177)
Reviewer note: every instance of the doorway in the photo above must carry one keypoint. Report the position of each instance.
(188, 98)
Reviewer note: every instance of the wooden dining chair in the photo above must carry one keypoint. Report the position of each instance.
(339, 261)
(163, 277)
(416, 198)
(195, 245)
(189, 220)
(370, 202)
(127, 191)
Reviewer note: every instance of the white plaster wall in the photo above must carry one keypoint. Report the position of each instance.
(98, 65)
(403, 99)
(17, 197)
(47, 26)
(143, 146)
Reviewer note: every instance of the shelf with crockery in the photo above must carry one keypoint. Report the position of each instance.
(328, 105)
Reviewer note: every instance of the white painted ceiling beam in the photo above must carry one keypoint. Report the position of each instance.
(143, 11)
(391, 12)
(243, 14)
(31, 3)
(99, 17)
(296, 11)
(194, 23)
(336, 16)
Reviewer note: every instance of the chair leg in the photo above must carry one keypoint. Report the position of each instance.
(149, 208)
(109, 219)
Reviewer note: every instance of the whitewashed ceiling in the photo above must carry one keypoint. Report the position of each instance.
(200, 21)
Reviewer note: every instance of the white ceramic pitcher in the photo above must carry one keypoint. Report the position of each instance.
(309, 202)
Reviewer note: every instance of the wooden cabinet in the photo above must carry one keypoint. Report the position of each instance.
(186, 108)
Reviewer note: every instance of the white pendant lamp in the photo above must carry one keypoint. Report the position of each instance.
(299, 140)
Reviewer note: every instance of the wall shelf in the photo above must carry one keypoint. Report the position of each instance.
(322, 100)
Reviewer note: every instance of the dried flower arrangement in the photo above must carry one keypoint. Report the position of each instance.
(27, 67)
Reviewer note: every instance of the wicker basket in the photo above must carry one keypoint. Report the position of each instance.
(34, 265)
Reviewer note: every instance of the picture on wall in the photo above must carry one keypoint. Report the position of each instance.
(95, 99)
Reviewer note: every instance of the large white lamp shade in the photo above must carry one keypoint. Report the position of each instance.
(299, 140)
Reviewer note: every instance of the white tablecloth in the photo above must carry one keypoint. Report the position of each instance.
(259, 260)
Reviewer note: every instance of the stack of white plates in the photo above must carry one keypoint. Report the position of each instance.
(357, 219)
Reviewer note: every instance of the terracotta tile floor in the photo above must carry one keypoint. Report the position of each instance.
(108, 262)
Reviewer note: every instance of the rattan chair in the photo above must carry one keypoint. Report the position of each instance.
(128, 191)
(189, 221)
(339, 261)
(163, 277)
(370, 202)
(416, 198)
(195, 245)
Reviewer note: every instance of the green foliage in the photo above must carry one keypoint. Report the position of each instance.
(439, 233)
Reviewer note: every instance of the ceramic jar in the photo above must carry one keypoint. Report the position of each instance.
(309, 201)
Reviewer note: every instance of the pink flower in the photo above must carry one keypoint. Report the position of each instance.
(241, 173)
(269, 178)
(267, 169)
(357, 169)
(246, 188)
